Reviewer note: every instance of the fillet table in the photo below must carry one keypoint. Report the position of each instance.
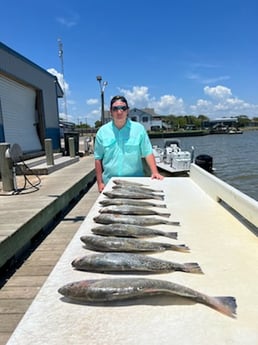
(222, 244)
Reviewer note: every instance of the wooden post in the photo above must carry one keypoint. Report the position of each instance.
(6, 166)
(49, 152)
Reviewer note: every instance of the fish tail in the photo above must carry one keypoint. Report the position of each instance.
(164, 214)
(179, 248)
(158, 197)
(191, 267)
(173, 223)
(224, 304)
(171, 235)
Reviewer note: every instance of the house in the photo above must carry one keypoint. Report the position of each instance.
(28, 103)
(147, 118)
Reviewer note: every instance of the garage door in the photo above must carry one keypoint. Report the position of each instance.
(19, 115)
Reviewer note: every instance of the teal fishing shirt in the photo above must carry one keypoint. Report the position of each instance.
(121, 150)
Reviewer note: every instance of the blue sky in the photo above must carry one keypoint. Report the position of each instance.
(178, 57)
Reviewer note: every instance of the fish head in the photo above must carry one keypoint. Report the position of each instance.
(77, 290)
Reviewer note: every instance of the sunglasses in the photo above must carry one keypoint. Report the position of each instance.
(120, 107)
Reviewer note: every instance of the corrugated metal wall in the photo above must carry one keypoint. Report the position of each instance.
(19, 115)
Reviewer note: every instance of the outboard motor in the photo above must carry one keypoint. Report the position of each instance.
(205, 162)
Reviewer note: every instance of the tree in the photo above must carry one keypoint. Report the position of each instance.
(97, 124)
(243, 121)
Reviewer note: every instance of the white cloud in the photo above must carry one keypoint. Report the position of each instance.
(169, 104)
(68, 22)
(92, 101)
(137, 97)
(218, 91)
(64, 85)
(220, 102)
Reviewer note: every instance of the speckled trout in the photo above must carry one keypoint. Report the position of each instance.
(129, 230)
(142, 203)
(122, 244)
(137, 188)
(128, 262)
(128, 194)
(106, 218)
(120, 289)
(129, 183)
(133, 210)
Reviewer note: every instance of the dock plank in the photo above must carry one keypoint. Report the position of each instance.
(20, 290)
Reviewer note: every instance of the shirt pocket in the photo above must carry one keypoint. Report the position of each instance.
(109, 145)
(131, 148)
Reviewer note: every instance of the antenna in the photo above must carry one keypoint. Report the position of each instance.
(60, 54)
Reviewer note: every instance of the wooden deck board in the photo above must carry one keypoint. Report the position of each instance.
(20, 290)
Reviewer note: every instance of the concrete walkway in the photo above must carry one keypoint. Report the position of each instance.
(25, 215)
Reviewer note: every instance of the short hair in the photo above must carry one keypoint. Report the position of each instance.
(118, 98)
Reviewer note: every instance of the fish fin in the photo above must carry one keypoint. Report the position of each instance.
(192, 267)
(171, 235)
(226, 305)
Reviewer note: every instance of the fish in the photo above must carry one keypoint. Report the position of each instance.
(132, 210)
(129, 183)
(120, 289)
(128, 262)
(106, 218)
(108, 202)
(132, 189)
(128, 230)
(122, 244)
(137, 188)
(126, 194)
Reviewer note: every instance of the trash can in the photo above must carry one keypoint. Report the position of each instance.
(75, 137)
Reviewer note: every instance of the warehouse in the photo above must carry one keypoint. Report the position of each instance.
(28, 103)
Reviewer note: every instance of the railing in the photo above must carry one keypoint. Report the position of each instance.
(220, 191)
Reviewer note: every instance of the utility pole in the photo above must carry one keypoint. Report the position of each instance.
(60, 54)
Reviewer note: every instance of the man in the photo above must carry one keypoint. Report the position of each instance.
(120, 146)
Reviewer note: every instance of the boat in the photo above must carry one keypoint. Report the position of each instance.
(171, 158)
(218, 223)
(234, 130)
(219, 129)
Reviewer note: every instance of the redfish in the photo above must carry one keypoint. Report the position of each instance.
(106, 218)
(121, 244)
(120, 289)
(129, 230)
(128, 262)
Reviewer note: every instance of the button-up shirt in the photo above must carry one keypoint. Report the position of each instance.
(121, 150)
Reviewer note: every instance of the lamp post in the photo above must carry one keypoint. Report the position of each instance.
(102, 86)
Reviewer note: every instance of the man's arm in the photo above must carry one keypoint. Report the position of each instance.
(150, 159)
(99, 171)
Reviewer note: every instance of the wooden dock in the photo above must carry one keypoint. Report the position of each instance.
(22, 287)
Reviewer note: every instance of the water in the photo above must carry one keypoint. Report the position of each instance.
(235, 157)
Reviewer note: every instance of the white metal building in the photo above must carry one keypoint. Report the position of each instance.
(28, 103)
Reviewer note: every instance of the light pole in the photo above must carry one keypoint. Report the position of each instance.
(102, 86)
(61, 53)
